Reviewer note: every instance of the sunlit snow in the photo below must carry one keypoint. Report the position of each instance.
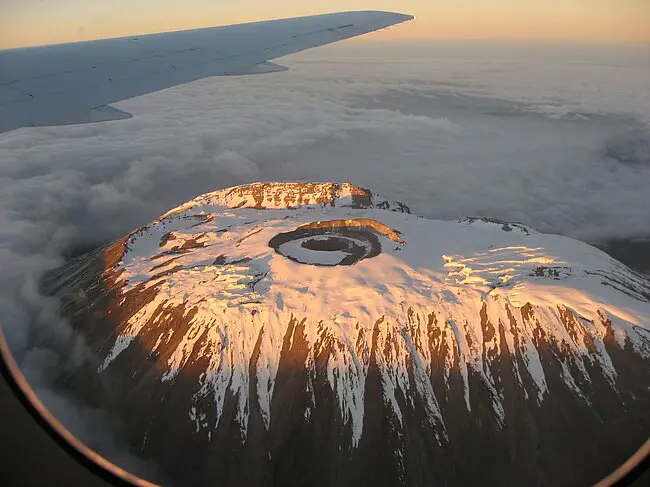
(212, 255)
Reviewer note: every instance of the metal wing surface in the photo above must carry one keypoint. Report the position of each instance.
(74, 83)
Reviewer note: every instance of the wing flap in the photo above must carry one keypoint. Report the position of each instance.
(9, 95)
(99, 114)
(260, 68)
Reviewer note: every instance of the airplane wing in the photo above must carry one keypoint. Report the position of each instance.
(75, 83)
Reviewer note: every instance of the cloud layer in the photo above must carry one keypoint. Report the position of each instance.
(559, 143)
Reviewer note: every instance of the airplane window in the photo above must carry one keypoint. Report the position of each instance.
(345, 244)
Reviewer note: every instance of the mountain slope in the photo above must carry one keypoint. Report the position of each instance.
(315, 333)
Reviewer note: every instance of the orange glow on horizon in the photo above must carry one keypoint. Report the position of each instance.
(589, 21)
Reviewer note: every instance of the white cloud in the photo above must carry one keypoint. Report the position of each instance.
(449, 134)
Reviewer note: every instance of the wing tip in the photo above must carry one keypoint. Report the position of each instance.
(392, 17)
(402, 17)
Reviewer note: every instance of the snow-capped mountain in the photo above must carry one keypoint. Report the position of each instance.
(317, 334)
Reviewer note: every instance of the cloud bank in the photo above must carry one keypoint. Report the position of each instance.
(560, 144)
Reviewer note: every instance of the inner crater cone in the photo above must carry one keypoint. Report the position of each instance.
(334, 242)
(327, 247)
(327, 244)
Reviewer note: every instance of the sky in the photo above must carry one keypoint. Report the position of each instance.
(34, 22)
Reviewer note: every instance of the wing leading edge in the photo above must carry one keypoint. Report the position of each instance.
(75, 83)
